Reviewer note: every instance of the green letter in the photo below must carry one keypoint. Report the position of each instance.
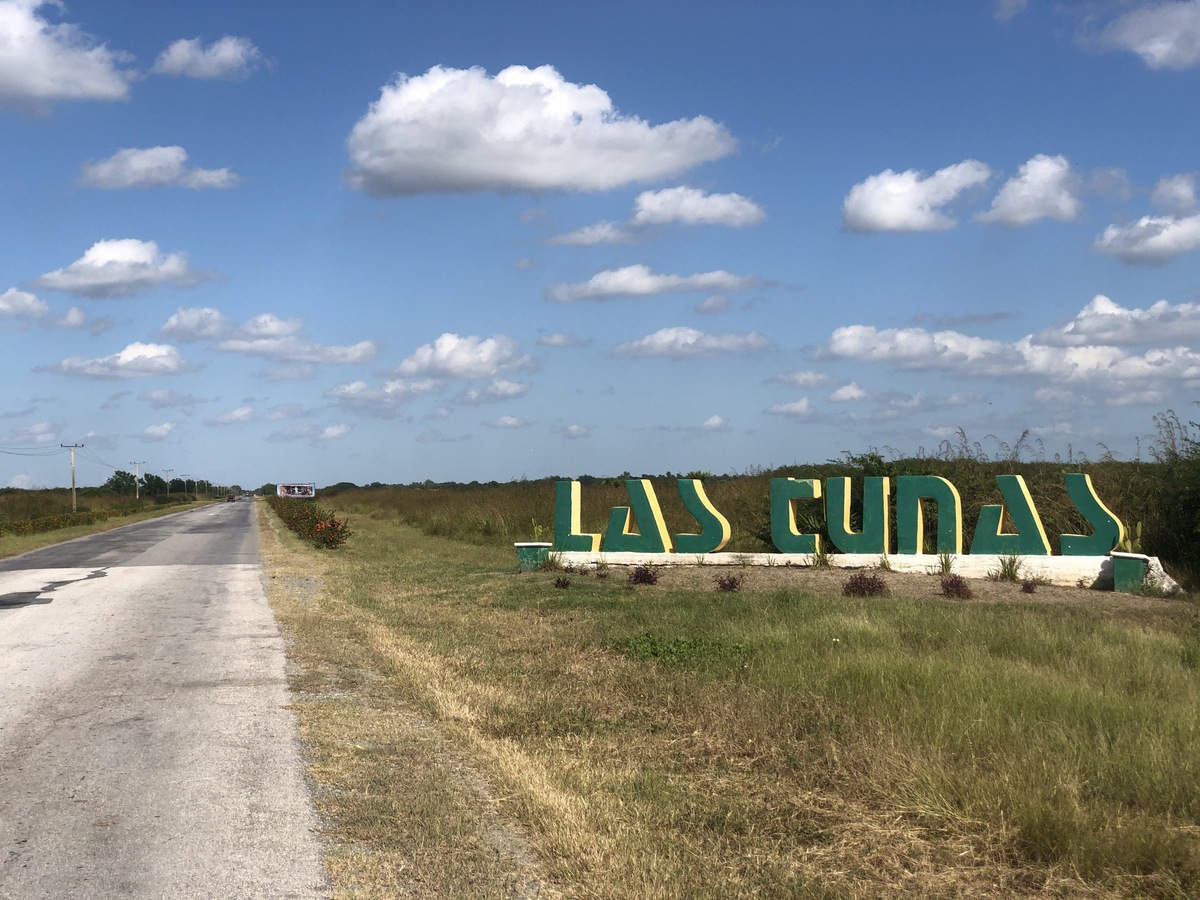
(910, 518)
(566, 520)
(1030, 539)
(1109, 532)
(783, 514)
(620, 538)
(874, 535)
(714, 527)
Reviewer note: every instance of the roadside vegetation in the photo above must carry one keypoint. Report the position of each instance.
(30, 519)
(1158, 498)
(591, 734)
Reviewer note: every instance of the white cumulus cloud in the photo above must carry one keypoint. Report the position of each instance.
(452, 356)
(196, 324)
(714, 423)
(134, 361)
(333, 432)
(462, 130)
(563, 339)
(506, 422)
(683, 343)
(682, 205)
(41, 62)
(910, 200)
(1104, 322)
(283, 340)
(239, 416)
(572, 432)
(797, 409)
(497, 390)
(848, 392)
(593, 235)
(22, 305)
(384, 401)
(121, 268)
(1164, 35)
(805, 378)
(154, 433)
(639, 281)
(1176, 194)
(229, 57)
(690, 206)
(1044, 188)
(1088, 354)
(1151, 239)
(152, 167)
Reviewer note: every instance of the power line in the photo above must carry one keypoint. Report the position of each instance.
(31, 451)
(92, 457)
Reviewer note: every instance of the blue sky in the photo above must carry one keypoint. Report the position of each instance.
(300, 241)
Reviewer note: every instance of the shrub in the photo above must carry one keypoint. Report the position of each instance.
(957, 587)
(1029, 586)
(729, 582)
(311, 521)
(643, 575)
(864, 584)
(562, 583)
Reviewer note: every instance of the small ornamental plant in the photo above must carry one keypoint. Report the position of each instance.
(864, 584)
(729, 583)
(643, 575)
(956, 586)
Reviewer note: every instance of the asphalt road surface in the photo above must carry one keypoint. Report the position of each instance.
(145, 747)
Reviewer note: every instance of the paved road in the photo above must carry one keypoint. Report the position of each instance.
(144, 746)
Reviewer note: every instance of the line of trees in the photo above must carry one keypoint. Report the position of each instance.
(122, 482)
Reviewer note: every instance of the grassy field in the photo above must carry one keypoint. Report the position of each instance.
(16, 544)
(474, 732)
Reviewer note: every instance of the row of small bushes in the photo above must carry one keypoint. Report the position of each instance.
(311, 521)
(42, 524)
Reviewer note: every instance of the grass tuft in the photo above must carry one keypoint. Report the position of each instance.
(1008, 568)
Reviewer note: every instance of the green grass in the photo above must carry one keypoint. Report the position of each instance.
(654, 740)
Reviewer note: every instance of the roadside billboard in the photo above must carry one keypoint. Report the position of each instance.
(297, 490)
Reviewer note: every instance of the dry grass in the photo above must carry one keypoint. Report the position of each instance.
(455, 711)
(408, 814)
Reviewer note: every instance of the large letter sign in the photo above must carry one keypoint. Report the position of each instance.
(641, 528)
(1030, 539)
(567, 530)
(874, 535)
(1109, 532)
(910, 517)
(714, 527)
(784, 533)
(643, 504)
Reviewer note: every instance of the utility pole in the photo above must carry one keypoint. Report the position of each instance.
(72, 448)
(168, 471)
(137, 478)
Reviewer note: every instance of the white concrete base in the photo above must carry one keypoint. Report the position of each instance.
(1069, 571)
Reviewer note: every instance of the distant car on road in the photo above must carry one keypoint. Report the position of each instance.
(230, 499)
